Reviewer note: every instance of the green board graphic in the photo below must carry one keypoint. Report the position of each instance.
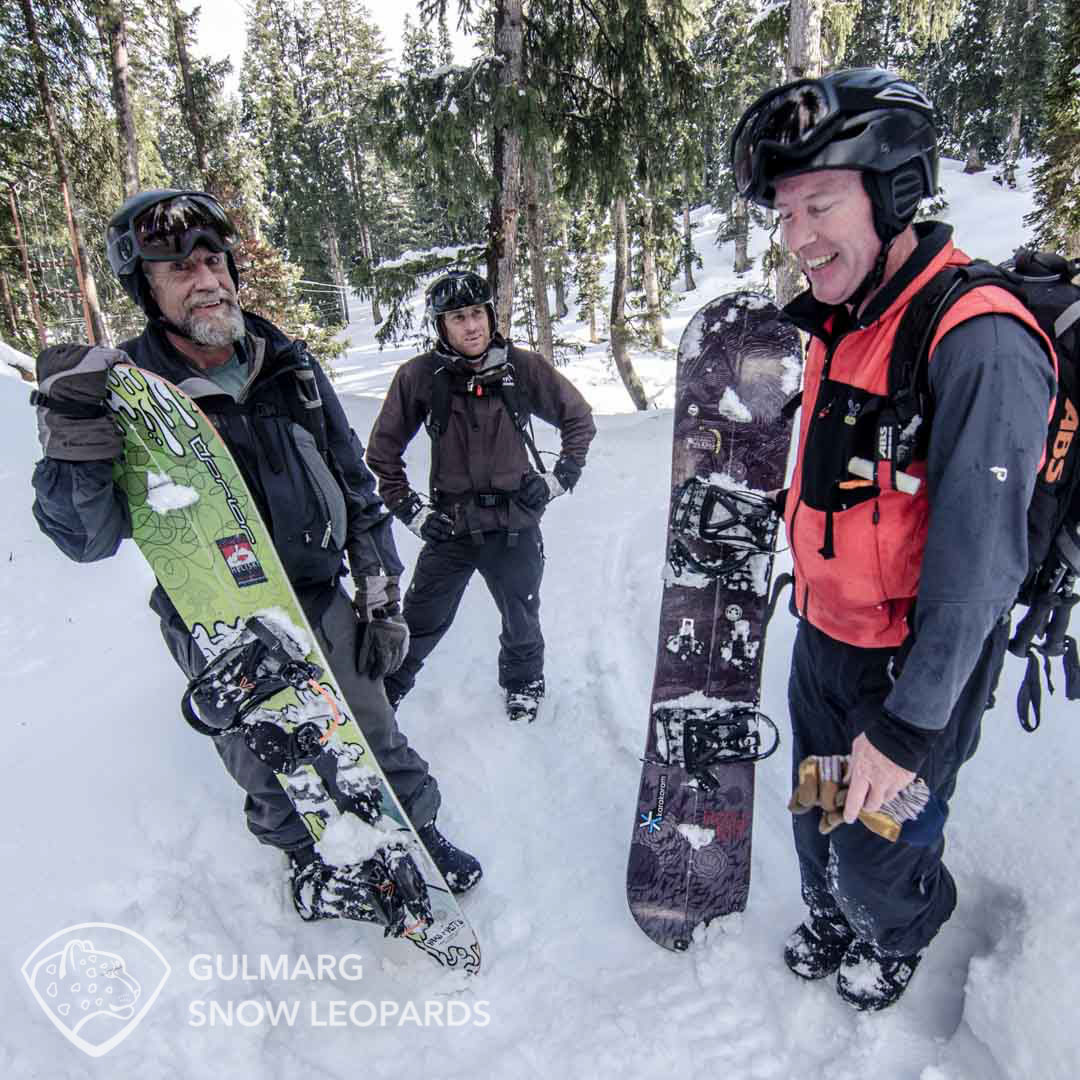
(198, 527)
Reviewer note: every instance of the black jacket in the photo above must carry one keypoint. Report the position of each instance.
(316, 507)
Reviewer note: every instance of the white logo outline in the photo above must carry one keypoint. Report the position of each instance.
(39, 956)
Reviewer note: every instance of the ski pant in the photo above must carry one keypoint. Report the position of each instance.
(512, 572)
(896, 895)
(271, 816)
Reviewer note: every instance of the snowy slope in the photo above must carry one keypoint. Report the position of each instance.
(118, 813)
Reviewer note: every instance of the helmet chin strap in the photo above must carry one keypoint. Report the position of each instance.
(873, 279)
(887, 230)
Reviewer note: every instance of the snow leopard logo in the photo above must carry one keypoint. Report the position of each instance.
(94, 995)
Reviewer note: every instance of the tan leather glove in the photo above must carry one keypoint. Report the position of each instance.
(823, 781)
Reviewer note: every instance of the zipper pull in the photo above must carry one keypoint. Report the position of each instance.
(326, 535)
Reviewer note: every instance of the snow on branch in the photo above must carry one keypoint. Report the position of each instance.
(767, 8)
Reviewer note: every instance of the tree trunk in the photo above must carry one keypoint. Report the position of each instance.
(334, 253)
(1012, 148)
(534, 214)
(558, 276)
(623, 364)
(95, 324)
(369, 254)
(804, 40)
(562, 307)
(188, 106)
(649, 276)
(9, 307)
(359, 193)
(974, 161)
(803, 62)
(113, 34)
(31, 292)
(502, 241)
(743, 262)
(688, 249)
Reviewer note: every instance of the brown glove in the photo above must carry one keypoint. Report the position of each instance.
(823, 783)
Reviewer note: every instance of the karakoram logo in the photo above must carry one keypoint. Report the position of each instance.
(96, 982)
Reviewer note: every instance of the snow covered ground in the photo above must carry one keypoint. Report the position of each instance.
(117, 813)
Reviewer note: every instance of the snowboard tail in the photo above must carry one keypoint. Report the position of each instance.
(738, 362)
(197, 525)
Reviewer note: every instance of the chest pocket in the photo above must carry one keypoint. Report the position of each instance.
(320, 510)
(844, 426)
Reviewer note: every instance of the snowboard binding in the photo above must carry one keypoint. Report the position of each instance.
(263, 661)
(386, 889)
(284, 751)
(740, 523)
(406, 906)
(696, 739)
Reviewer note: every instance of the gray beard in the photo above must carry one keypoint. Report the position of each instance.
(215, 331)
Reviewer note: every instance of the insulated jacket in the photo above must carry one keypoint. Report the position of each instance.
(481, 458)
(863, 552)
(317, 507)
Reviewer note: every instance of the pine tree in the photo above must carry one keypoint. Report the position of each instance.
(1056, 219)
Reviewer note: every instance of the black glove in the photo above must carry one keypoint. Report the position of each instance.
(73, 421)
(538, 489)
(567, 471)
(534, 493)
(381, 646)
(383, 638)
(421, 518)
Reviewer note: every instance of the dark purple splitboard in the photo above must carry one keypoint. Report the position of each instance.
(739, 361)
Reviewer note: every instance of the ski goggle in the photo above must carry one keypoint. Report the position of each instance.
(456, 290)
(791, 122)
(172, 229)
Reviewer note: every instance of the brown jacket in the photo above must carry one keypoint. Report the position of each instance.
(480, 452)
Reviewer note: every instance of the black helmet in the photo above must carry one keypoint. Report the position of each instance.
(457, 289)
(861, 118)
(161, 225)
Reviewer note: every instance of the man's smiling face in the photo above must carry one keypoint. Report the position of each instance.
(828, 223)
(197, 295)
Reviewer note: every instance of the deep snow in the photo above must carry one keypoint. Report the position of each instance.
(118, 813)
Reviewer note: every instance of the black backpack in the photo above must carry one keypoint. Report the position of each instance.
(1044, 283)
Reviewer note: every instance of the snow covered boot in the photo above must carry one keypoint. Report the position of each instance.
(871, 980)
(523, 700)
(817, 947)
(461, 870)
(386, 889)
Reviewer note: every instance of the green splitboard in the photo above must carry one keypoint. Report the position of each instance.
(197, 524)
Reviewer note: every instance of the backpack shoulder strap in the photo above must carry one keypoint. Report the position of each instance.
(909, 378)
(437, 418)
(439, 408)
(511, 393)
(309, 400)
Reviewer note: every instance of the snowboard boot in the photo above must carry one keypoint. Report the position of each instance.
(817, 947)
(523, 700)
(460, 869)
(386, 889)
(870, 980)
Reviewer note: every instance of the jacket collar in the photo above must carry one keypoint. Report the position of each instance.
(827, 320)
(263, 343)
(495, 356)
